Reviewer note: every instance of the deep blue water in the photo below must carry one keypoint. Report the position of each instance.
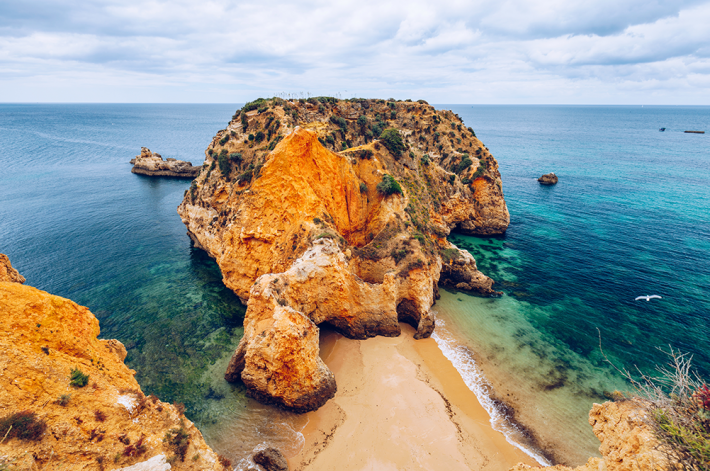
(630, 216)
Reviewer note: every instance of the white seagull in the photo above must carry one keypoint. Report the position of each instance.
(648, 298)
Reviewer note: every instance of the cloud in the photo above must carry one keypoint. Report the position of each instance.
(453, 51)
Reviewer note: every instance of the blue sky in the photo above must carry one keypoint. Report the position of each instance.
(503, 51)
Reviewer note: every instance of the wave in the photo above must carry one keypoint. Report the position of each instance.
(465, 364)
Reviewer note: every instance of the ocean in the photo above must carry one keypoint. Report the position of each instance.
(628, 217)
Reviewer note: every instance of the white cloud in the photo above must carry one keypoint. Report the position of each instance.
(457, 51)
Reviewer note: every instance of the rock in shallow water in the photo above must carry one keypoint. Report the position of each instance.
(153, 165)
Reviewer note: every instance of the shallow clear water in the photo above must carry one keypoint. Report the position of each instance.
(76, 223)
(629, 217)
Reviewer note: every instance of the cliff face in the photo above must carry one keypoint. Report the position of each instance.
(152, 164)
(7, 273)
(101, 422)
(627, 444)
(355, 239)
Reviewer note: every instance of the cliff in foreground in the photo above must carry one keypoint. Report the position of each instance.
(337, 212)
(627, 443)
(68, 401)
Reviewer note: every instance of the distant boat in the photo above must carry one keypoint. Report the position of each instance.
(662, 129)
(695, 132)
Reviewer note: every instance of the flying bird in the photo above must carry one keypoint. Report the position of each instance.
(648, 298)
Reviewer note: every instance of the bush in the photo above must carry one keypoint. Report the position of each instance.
(679, 405)
(363, 187)
(63, 400)
(259, 136)
(251, 137)
(389, 186)
(452, 179)
(23, 425)
(425, 159)
(340, 122)
(178, 440)
(235, 157)
(471, 131)
(398, 255)
(463, 165)
(393, 115)
(392, 140)
(225, 165)
(224, 140)
(362, 121)
(253, 105)
(78, 378)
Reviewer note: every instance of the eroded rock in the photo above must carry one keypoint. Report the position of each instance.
(355, 240)
(271, 459)
(7, 272)
(627, 443)
(548, 179)
(104, 421)
(152, 164)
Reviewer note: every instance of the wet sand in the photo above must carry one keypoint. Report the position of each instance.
(400, 404)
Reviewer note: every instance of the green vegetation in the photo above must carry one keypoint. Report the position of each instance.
(260, 136)
(23, 425)
(224, 139)
(78, 378)
(364, 154)
(64, 399)
(481, 170)
(225, 164)
(392, 140)
(425, 159)
(340, 122)
(254, 105)
(471, 131)
(389, 186)
(235, 157)
(447, 255)
(465, 163)
(398, 255)
(178, 440)
(363, 187)
(678, 402)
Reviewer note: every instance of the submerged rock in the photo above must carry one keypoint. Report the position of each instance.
(548, 179)
(152, 164)
(355, 240)
(271, 459)
(7, 273)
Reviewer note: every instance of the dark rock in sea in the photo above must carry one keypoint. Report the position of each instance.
(152, 164)
(548, 179)
(271, 459)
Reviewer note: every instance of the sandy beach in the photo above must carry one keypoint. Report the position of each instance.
(400, 405)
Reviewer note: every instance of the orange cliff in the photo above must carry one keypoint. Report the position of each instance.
(105, 424)
(354, 239)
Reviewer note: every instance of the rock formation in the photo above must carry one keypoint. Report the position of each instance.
(81, 405)
(271, 459)
(152, 164)
(627, 444)
(355, 239)
(7, 273)
(548, 179)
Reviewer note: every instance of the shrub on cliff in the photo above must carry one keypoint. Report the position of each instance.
(78, 378)
(389, 186)
(463, 165)
(678, 402)
(23, 425)
(225, 165)
(260, 136)
(392, 140)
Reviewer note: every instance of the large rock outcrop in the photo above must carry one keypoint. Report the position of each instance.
(7, 273)
(627, 443)
(101, 422)
(152, 164)
(355, 239)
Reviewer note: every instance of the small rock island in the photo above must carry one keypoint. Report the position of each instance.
(152, 164)
(548, 179)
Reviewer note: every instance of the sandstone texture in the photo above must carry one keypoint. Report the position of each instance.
(152, 164)
(7, 273)
(627, 444)
(354, 239)
(105, 424)
(548, 179)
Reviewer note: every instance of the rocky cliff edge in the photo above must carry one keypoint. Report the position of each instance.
(627, 443)
(354, 239)
(53, 417)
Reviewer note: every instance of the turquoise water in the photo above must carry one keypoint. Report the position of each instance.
(629, 217)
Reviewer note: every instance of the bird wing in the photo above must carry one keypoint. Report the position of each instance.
(655, 296)
(640, 297)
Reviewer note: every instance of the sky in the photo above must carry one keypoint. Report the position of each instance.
(478, 52)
